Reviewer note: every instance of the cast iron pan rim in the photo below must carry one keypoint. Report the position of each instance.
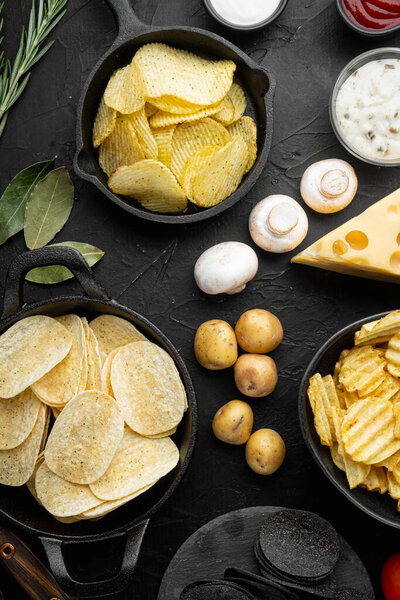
(246, 28)
(352, 327)
(370, 33)
(244, 187)
(97, 537)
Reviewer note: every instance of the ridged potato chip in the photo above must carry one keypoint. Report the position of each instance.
(138, 462)
(28, 350)
(104, 123)
(175, 105)
(391, 462)
(94, 381)
(194, 166)
(226, 114)
(387, 390)
(147, 387)
(222, 176)
(380, 331)
(377, 481)
(152, 184)
(356, 473)
(61, 384)
(112, 332)
(392, 355)
(144, 134)
(165, 119)
(17, 464)
(396, 413)
(363, 370)
(163, 137)
(188, 138)
(125, 91)
(321, 407)
(85, 438)
(393, 479)
(238, 98)
(150, 109)
(18, 416)
(337, 457)
(247, 129)
(120, 148)
(168, 71)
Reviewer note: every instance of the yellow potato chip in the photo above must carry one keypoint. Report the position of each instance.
(247, 129)
(125, 90)
(393, 479)
(150, 109)
(389, 387)
(337, 457)
(30, 484)
(363, 332)
(391, 462)
(321, 408)
(349, 398)
(61, 384)
(163, 137)
(152, 184)
(120, 148)
(188, 138)
(144, 134)
(363, 370)
(106, 507)
(84, 373)
(106, 372)
(147, 387)
(85, 437)
(195, 164)
(162, 435)
(222, 176)
(238, 98)
(226, 114)
(381, 331)
(28, 350)
(112, 332)
(138, 462)
(93, 381)
(396, 413)
(175, 105)
(56, 412)
(169, 71)
(18, 416)
(392, 355)
(356, 472)
(104, 123)
(377, 480)
(165, 119)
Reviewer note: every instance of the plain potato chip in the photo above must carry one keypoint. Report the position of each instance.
(237, 95)
(18, 416)
(175, 105)
(61, 384)
(138, 462)
(363, 370)
(94, 381)
(106, 372)
(120, 148)
(125, 92)
(106, 507)
(166, 119)
(30, 484)
(147, 387)
(84, 374)
(152, 184)
(112, 332)
(247, 129)
(377, 480)
(28, 350)
(188, 138)
(144, 134)
(85, 437)
(337, 457)
(195, 164)
(17, 464)
(163, 137)
(393, 480)
(169, 71)
(226, 114)
(104, 123)
(381, 331)
(356, 472)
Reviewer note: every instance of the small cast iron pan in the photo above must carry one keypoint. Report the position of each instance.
(130, 521)
(380, 507)
(257, 82)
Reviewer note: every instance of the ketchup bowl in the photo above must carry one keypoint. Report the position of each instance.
(371, 18)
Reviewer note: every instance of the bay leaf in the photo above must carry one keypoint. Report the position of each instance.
(16, 195)
(48, 208)
(58, 273)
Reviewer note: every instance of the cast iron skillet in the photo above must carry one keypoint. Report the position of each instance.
(131, 520)
(257, 82)
(382, 508)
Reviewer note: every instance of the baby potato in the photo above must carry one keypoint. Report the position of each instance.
(258, 331)
(265, 451)
(233, 422)
(255, 375)
(215, 345)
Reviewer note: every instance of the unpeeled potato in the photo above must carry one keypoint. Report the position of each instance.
(255, 375)
(258, 331)
(215, 345)
(265, 451)
(233, 422)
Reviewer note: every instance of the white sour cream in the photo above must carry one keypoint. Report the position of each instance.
(368, 109)
(245, 12)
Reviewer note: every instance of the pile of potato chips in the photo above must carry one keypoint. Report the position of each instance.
(116, 398)
(170, 128)
(357, 410)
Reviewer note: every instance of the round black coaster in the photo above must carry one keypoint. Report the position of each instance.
(215, 590)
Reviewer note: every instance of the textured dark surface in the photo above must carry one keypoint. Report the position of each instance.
(150, 267)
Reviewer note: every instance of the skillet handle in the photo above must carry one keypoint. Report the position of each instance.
(127, 20)
(55, 255)
(96, 589)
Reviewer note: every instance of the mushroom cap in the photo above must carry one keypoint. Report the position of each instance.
(225, 268)
(278, 224)
(329, 185)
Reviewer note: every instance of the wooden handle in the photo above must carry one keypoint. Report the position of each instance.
(31, 574)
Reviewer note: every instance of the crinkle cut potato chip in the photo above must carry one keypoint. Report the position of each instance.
(138, 462)
(17, 464)
(377, 481)
(363, 370)
(321, 408)
(356, 473)
(238, 98)
(226, 114)
(165, 119)
(392, 355)
(247, 129)
(195, 164)
(168, 71)
(163, 137)
(94, 381)
(18, 416)
(104, 123)
(171, 104)
(380, 331)
(59, 385)
(120, 148)
(28, 350)
(85, 437)
(112, 332)
(147, 387)
(144, 134)
(125, 92)
(152, 184)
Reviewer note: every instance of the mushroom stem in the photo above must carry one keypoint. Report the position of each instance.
(334, 183)
(282, 218)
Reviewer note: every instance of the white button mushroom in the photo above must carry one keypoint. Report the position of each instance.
(329, 185)
(278, 224)
(225, 268)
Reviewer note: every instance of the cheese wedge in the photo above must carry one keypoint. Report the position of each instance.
(366, 246)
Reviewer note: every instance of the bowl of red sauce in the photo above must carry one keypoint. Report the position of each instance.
(371, 18)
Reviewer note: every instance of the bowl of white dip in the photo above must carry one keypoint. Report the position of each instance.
(365, 107)
(245, 15)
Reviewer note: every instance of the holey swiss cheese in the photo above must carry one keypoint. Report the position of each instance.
(366, 246)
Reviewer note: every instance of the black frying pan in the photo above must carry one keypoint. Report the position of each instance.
(257, 82)
(131, 520)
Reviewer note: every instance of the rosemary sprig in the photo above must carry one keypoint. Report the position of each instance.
(15, 76)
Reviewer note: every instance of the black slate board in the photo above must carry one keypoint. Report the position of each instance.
(228, 541)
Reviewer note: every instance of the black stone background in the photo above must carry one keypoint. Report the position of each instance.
(150, 267)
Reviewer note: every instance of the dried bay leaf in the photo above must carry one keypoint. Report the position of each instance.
(58, 273)
(48, 208)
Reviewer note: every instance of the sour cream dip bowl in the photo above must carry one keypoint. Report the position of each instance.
(245, 15)
(365, 107)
